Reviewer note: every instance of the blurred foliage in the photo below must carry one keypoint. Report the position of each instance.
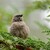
(5, 21)
(43, 28)
(36, 5)
(10, 41)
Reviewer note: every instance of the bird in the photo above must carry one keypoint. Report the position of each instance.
(18, 27)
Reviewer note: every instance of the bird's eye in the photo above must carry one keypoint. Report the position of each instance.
(21, 15)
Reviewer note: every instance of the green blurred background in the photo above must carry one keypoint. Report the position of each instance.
(36, 14)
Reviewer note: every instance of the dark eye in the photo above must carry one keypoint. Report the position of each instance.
(21, 15)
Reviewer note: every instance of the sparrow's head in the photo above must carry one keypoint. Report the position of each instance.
(17, 18)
